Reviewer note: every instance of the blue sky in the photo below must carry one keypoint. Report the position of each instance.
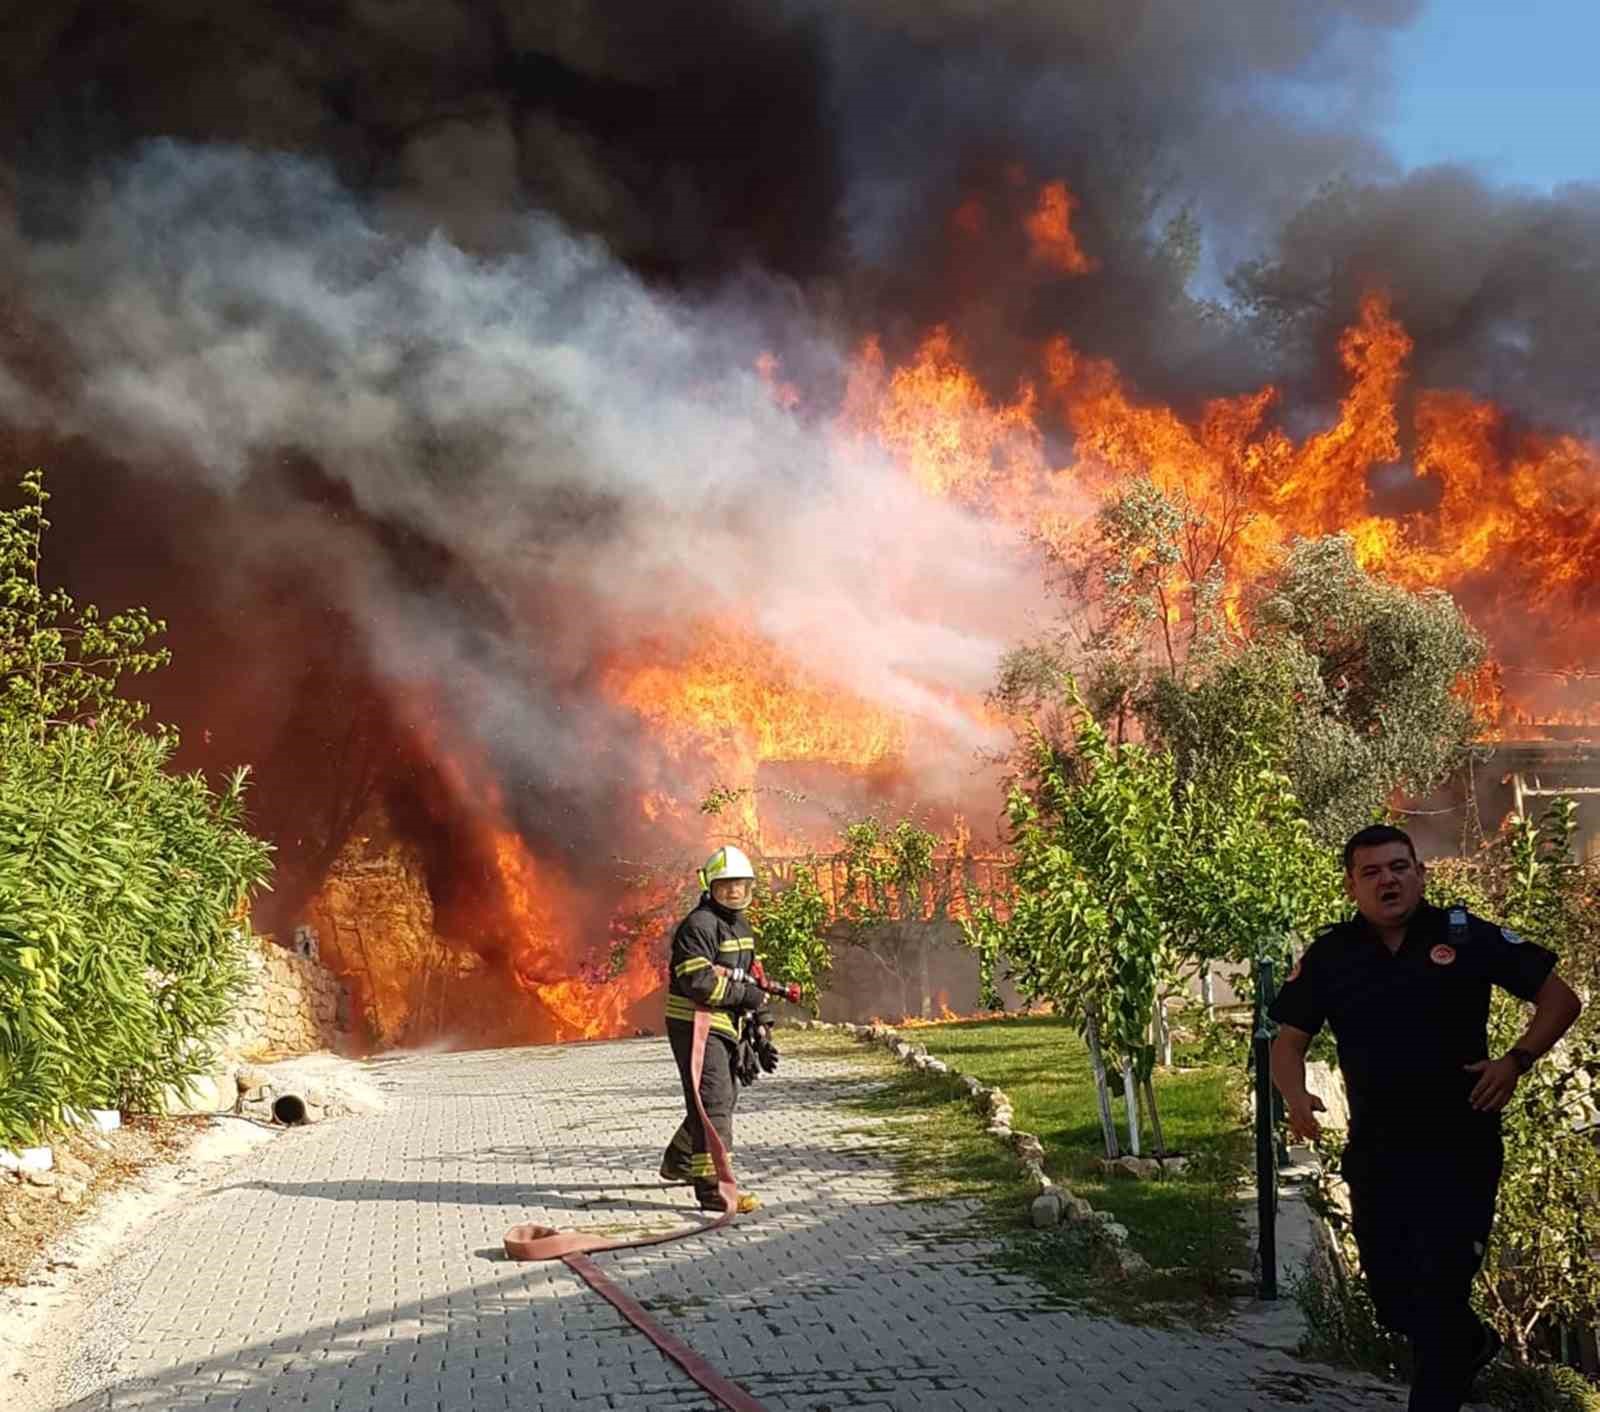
(1509, 86)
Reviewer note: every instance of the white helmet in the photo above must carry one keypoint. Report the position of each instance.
(725, 865)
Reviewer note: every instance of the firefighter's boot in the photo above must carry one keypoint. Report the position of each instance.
(675, 1168)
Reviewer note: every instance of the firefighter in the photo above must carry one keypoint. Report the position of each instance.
(1405, 987)
(713, 967)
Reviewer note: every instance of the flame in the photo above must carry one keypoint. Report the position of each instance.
(1050, 231)
(1513, 530)
(1516, 528)
(934, 417)
(731, 693)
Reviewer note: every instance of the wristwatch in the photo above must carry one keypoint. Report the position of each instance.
(1523, 1057)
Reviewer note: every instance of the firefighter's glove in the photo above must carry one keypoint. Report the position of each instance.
(747, 1063)
(791, 992)
(766, 1050)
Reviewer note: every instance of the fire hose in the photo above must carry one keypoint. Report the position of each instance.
(535, 1242)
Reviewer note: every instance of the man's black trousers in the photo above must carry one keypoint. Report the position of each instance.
(1422, 1221)
(687, 1154)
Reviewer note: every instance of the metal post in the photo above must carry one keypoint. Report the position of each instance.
(1266, 1146)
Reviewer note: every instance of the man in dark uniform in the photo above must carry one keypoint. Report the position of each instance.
(713, 968)
(1406, 987)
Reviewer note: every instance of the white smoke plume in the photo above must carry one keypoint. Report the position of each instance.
(605, 455)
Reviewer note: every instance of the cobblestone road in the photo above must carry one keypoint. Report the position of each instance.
(356, 1265)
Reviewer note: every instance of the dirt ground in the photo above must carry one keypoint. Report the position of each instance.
(59, 1239)
(88, 1164)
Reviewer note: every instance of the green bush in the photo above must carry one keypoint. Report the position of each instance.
(1540, 1268)
(121, 931)
(123, 887)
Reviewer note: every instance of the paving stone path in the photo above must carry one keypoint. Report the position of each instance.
(356, 1265)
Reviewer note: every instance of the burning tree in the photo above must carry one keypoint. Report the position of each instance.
(1355, 686)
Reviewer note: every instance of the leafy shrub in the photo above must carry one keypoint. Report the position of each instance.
(123, 887)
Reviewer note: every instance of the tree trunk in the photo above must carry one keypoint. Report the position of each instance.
(1208, 992)
(1155, 1118)
(1162, 1038)
(1130, 1092)
(1102, 1092)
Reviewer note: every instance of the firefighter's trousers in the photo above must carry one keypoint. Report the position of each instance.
(687, 1155)
(1422, 1238)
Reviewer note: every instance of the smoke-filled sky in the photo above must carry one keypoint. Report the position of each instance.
(423, 336)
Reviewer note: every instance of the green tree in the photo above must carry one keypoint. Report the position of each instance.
(1124, 876)
(61, 663)
(1087, 929)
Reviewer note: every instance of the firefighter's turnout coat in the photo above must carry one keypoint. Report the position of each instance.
(708, 938)
(711, 940)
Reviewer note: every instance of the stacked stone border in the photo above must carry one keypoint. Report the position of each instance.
(1053, 1204)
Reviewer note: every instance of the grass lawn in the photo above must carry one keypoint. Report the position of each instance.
(1189, 1227)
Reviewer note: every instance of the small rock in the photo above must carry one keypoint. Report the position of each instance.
(1114, 1231)
(971, 1085)
(937, 1066)
(70, 1193)
(1077, 1210)
(1173, 1165)
(1046, 1210)
(15, 1221)
(42, 1178)
(1027, 1147)
(70, 1166)
(1131, 1265)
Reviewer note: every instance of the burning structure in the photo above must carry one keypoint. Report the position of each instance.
(531, 421)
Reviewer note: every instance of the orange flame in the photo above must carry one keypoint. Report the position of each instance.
(731, 693)
(1516, 528)
(1050, 231)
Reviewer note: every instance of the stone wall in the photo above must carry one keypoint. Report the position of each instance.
(292, 1003)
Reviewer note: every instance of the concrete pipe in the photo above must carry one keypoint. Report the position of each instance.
(290, 1110)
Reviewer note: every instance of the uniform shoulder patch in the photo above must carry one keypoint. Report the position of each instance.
(1442, 955)
(1511, 936)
